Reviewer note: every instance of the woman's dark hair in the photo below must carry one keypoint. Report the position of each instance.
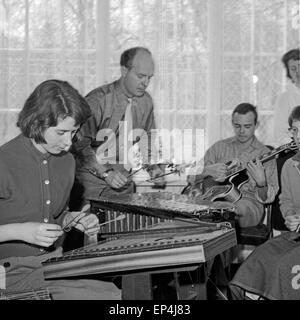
(293, 54)
(51, 100)
(294, 115)
(244, 108)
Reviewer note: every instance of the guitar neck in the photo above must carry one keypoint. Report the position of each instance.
(264, 158)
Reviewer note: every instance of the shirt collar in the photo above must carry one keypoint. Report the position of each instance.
(255, 144)
(122, 97)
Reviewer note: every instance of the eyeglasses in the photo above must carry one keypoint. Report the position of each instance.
(293, 130)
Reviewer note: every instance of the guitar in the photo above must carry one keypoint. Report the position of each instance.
(235, 178)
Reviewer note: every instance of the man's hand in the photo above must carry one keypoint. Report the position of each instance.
(155, 174)
(257, 172)
(41, 234)
(116, 179)
(233, 163)
(82, 220)
(292, 222)
(217, 171)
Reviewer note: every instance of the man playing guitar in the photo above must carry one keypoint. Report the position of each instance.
(245, 151)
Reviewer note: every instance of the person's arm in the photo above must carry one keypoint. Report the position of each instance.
(207, 167)
(214, 166)
(41, 234)
(86, 139)
(267, 185)
(86, 136)
(286, 202)
(10, 232)
(290, 213)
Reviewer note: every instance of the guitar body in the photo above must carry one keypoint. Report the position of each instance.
(229, 190)
(210, 190)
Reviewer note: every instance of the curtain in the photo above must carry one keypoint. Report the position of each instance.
(210, 55)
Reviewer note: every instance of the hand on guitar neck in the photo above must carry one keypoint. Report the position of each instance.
(219, 171)
(257, 171)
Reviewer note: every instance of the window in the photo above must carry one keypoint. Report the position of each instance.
(210, 55)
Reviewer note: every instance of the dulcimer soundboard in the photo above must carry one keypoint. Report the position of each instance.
(165, 205)
(168, 244)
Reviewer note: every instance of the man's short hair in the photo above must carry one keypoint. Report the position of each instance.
(294, 115)
(128, 55)
(293, 54)
(244, 108)
(51, 100)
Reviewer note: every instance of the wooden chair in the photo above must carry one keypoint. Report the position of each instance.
(259, 234)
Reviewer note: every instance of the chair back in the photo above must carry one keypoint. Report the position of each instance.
(277, 221)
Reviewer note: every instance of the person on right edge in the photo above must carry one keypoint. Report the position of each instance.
(288, 99)
(272, 269)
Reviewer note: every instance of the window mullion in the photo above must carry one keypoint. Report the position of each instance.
(27, 47)
(215, 71)
(102, 42)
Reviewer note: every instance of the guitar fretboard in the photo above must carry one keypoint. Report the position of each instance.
(265, 157)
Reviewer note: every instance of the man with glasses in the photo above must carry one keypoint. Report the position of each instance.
(289, 197)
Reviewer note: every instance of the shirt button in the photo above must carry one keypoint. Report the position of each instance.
(48, 202)
(45, 162)
(47, 181)
(46, 220)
